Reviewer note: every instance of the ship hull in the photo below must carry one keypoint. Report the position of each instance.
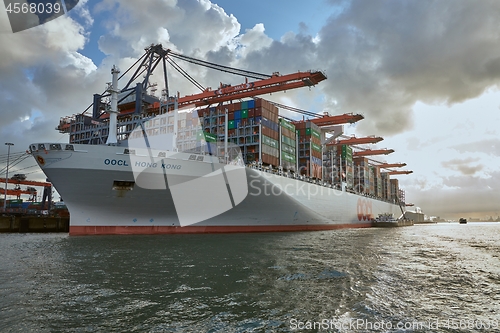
(86, 178)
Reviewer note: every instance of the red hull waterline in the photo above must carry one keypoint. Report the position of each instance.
(157, 230)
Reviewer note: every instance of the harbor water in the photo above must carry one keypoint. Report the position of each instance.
(424, 278)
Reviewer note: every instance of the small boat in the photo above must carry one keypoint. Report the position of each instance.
(462, 221)
(387, 220)
(385, 217)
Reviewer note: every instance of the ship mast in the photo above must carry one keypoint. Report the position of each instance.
(113, 111)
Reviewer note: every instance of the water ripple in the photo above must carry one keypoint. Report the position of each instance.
(249, 282)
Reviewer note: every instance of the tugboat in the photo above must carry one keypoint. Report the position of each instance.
(462, 221)
(387, 220)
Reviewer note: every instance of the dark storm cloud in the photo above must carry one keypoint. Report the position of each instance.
(463, 166)
(291, 54)
(382, 56)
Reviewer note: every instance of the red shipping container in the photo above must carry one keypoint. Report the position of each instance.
(299, 125)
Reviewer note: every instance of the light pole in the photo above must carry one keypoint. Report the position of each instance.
(8, 144)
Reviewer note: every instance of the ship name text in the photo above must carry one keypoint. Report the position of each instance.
(140, 164)
(115, 162)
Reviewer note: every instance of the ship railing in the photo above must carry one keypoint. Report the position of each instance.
(307, 179)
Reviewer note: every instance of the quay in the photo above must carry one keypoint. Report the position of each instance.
(20, 223)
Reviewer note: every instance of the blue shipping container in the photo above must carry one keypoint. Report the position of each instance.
(237, 123)
(251, 104)
(237, 114)
(244, 105)
(266, 122)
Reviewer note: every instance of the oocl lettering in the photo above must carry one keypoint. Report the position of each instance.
(364, 210)
(115, 162)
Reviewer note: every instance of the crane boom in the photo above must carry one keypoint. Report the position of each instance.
(358, 141)
(249, 89)
(402, 172)
(17, 193)
(25, 182)
(338, 119)
(391, 165)
(369, 152)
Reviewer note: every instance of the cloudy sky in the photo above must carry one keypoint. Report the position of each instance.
(423, 73)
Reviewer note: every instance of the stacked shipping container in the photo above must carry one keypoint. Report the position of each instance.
(288, 145)
(269, 132)
(310, 152)
(386, 185)
(377, 182)
(394, 190)
(244, 119)
(280, 140)
(347, 166)
(361, 175)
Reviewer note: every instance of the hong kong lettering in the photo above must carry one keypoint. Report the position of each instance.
(145, 164)
(171, 166)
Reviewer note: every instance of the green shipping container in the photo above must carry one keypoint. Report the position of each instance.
(244, 105)
(244, 114)
(209, 137)
(270, 142)
(346, 152)
(288, 149)
(287, 125)
(287, 157)
(316, 147)
(230, 124)
(288, 141)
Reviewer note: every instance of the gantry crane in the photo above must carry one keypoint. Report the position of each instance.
(156, 54)
(31, 191)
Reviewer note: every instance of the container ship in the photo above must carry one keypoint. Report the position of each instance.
(219, 161)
